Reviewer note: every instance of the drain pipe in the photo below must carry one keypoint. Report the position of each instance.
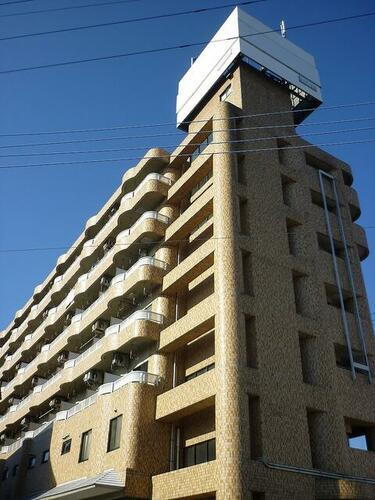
(316, 472)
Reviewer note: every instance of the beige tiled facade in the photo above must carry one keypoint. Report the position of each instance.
(220, 339)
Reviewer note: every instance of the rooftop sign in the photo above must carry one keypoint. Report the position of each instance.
(244, 36)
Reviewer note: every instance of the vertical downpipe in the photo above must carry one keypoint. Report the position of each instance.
(230, 446)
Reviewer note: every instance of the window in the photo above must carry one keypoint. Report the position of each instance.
(45, 456)
(5, 474)
(287, 186)
(307, 348)
(114, 433)
(227, 92)
(15, 470)
(281, 145)
(241, 169)
(343, 359)
(258, 495)
(247, 272)
(32, 461)
(244, 216)
(325, 245)
(360, 435)
(85, 446)
(200, 372)
(317, 199)
(298, 287)
(251, 347)
(255, 427)
(65, 448)
(201, 147)
(200, 453)
(292, 233)
(317, 426)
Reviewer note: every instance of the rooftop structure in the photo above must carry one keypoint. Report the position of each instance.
(208, 334)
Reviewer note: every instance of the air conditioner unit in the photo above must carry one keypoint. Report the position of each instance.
(142, 252)
(68, 318)
(3, 437)
(62, 357)
(45, 313)
(105, 282)
(93, 378)
(13, 401)
(36, 381)
(108, 244)
(99, 327)
(25, 422)
(120, 360)
(55, 404)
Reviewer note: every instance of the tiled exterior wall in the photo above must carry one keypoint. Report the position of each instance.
(285, 409)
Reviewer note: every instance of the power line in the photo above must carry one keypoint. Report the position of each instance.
(109, 160)
(164, 124)
(42, 11)
(169, 146)
(128, 21)
(169, 134)
(177, 47)
(15, 1)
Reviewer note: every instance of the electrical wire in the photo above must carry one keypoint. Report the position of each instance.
(128, 21)
(42, 11)
(109, 160)
(169, 134)
(169, 146)
(177, 47)
(164, 124)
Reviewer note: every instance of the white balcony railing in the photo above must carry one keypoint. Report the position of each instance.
(134, 376)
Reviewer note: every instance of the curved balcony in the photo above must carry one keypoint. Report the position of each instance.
(141, 326)
(135, 376)
(351, 197)
(360, 238)
(156, 188)
(154, 159)
(150, 225)
(146, 269)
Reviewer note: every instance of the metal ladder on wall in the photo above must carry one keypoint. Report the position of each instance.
(356, 366)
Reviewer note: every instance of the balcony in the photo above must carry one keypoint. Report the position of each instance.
(188, 398)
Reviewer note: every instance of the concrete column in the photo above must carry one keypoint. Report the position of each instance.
(230, 446)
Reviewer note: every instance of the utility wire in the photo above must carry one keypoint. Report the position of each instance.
(169, 134)
(177, 47)
(15, 1)
(42, 11)
(133, 20)
(164, 124)
(109, 160)
(169, 146)
(135, 243)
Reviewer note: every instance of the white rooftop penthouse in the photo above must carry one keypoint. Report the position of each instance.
(244, 37)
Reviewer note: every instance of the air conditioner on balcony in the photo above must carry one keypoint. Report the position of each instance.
(20, 365)
(105, 282)
(36, 381)
(93, 378)
(62, 357)
(55, 404)
(45, 313)
(142, 252)
(68, 318)
(99, 327)
(108, 244)
(25, 422)
(3, 438)
(13, 401)
(120, 360)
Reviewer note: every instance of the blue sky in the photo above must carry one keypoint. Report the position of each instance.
(48, 207)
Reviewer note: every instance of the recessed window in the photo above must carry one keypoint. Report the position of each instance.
(255, 427)
(45, 456)
(5, 474)
(244, 216)
(227, 92)
(200, 453)
(360, 435)
(15, 470)
(200, 372)
(85, 446)
(114, 434)
(32, 461)
(247, 272)
(65, 448)
(251, 342)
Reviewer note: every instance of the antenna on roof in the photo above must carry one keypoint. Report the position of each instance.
(283, 28)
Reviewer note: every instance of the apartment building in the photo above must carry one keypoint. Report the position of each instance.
(208, 334)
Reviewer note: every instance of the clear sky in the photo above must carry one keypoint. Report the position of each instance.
(48, 207)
